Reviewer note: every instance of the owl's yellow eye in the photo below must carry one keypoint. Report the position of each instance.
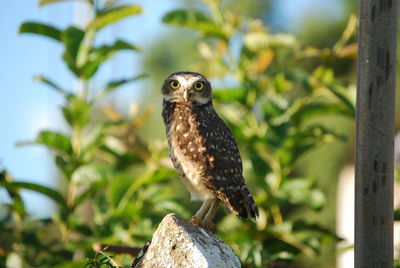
(199, 86)
(174, 84)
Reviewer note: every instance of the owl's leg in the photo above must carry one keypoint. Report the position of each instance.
(201, 212)
(207, 221)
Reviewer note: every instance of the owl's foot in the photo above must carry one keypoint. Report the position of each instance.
(209, 225)
(195, 221)
(206, 224)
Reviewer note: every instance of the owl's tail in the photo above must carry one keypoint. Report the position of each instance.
(240, 202)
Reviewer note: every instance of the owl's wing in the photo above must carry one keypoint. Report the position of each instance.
(225, 167)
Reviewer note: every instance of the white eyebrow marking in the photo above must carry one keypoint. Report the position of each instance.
(184, 82)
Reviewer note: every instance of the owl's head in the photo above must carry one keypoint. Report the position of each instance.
(187, 87)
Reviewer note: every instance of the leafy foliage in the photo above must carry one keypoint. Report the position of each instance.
(99, 198)
(281, 90)
(116, 184)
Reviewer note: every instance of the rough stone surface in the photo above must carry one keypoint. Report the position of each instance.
(177, 243)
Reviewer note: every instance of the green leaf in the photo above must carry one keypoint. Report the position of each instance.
(318, 108)
(72, 38)
(77, 112)
(324, 74)
(99, 55)
(46, 2)
(118, 45)
(52, 140)
(287, 114)
(296, 190)
(397, 215)
(51, 84)
(300, 191)
(301, 77)
(196, 20)
(51, 193)
(260, 40)
(93, 139)
(308, 139)
(301, 225)
(229, 95)
(316, 199)
(343, 95)
(118, 188)
(88, 193)
(114, 14)
(85, 47)
(90, 173)
(41, 29)
(17, 202)
(114, 84)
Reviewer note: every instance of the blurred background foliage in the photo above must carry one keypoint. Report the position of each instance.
(288, 99)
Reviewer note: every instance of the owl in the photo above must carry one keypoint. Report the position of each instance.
(203, 149)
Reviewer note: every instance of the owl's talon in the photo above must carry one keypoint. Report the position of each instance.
(205, 224)
(195, 220)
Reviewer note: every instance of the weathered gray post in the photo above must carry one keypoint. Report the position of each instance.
(376, 74)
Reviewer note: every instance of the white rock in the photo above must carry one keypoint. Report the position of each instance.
(177, 243)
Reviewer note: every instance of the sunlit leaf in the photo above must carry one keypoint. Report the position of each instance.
(77, 112)
(114, 14)
(318, 108)
(100, 54)
(260, 40)
(349, 51)
(41, 29)
(51, 193)
(90, 173)
(114, 84)
(263, 60)
(324, 74)
(93, 138)
(72, 38)
(52, 140)
(296, 189)
(85, 47)
(343, 95)
(349, 31)
(46, 2)
(229, 95)
(300, 191)
(316, 199)
(51, 84)
(17, 205)
(196, 20)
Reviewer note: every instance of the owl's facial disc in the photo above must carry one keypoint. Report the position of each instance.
(187, 88)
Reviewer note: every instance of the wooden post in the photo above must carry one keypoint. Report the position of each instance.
(376, 85)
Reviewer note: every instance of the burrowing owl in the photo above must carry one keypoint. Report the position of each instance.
(202, 148)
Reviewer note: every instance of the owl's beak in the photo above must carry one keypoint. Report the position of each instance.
(186, 95)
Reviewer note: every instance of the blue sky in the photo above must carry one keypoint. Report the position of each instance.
(28, 107)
